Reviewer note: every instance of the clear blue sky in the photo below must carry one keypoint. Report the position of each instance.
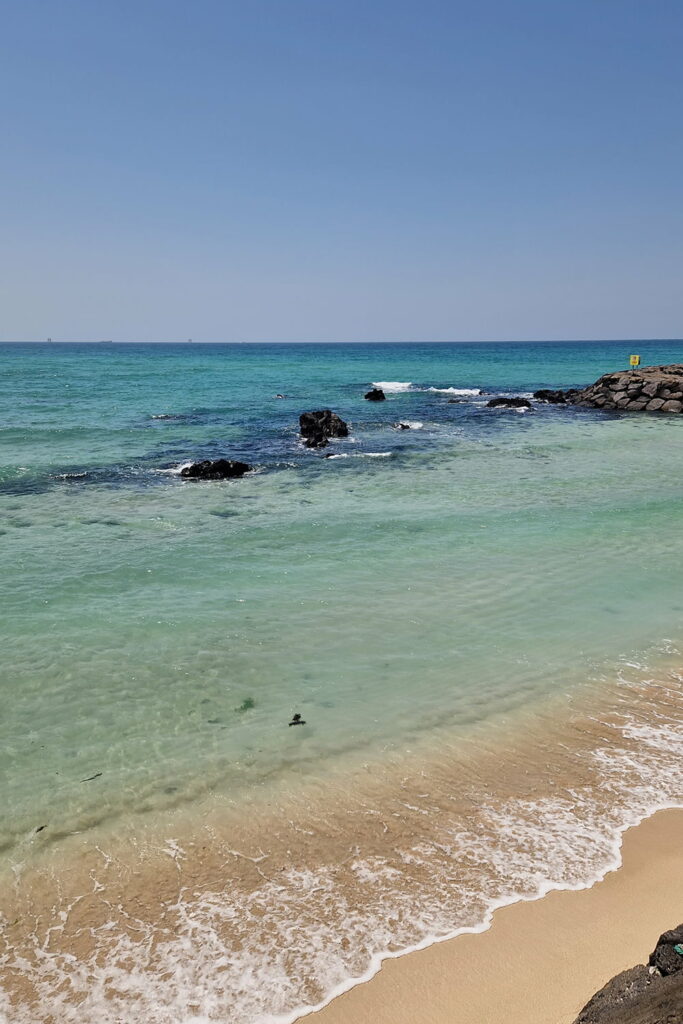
(341, 169)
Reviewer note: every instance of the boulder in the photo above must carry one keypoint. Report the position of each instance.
(376, 395)
(647, 388)
(664, 957)
(508, 403)
(548, 395)
(644, 994)
(317, 427)
(220, 469)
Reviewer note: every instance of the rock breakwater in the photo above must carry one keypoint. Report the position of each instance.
(646, 389)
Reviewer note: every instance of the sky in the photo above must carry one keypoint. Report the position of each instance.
(341, 170)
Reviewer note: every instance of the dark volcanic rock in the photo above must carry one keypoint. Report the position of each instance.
(638, 996)
(644, 389)
(664, 957)
(221, 469)
(376, 395)
(317, 427)
(556, 397)
(508, 403)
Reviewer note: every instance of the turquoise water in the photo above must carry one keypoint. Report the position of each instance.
(482, 560)
(159, 633)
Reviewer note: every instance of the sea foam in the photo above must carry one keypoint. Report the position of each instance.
(393, 386)
(297, 934)
(455, 391)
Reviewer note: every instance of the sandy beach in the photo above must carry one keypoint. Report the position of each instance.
(540, 962)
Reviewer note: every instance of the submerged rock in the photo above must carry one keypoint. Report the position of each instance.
(317, 427)
(376, 395)
(643, 995)
(509, 403)
(555, 397)
(220, 469)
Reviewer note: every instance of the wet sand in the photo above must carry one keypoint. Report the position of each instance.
(127, 924)
(540, 962)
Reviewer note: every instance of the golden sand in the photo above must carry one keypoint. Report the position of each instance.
(267, 911)
(540, 962)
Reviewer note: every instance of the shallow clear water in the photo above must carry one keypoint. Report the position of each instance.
(162, 632)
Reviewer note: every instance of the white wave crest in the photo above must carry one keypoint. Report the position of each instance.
(176, 470)
(393, 386)
(456, 391)
(359, 455)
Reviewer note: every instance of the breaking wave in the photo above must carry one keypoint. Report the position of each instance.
(269, 920)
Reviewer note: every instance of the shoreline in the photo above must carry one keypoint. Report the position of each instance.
(356, 877)
(550, 953)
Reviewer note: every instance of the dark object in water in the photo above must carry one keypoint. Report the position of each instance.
(376, 395)
(220, 469)
(280, 396)
(555, 397)
(455, 401)
(247, 704)
(509, 403)
(40, 828)
(297, 720)
(91, 777)
(402, 426)
(318, 426)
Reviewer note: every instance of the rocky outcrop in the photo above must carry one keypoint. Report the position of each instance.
(376, 395)
(220, 469)
(643, 995)
(646, 389)
(318, 427)
(508, 403)
(667, 956)
(555, 397)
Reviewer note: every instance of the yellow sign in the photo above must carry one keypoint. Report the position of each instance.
(635, 360)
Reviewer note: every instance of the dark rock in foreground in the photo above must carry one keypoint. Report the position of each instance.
(508, 403)
(637, 996)
(646, 389)
(666, 956)
(221, 469)
(317, 427)
(376, 395)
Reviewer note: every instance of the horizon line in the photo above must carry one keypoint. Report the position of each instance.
(415, 341)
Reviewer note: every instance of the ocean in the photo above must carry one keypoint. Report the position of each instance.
(479, 618)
